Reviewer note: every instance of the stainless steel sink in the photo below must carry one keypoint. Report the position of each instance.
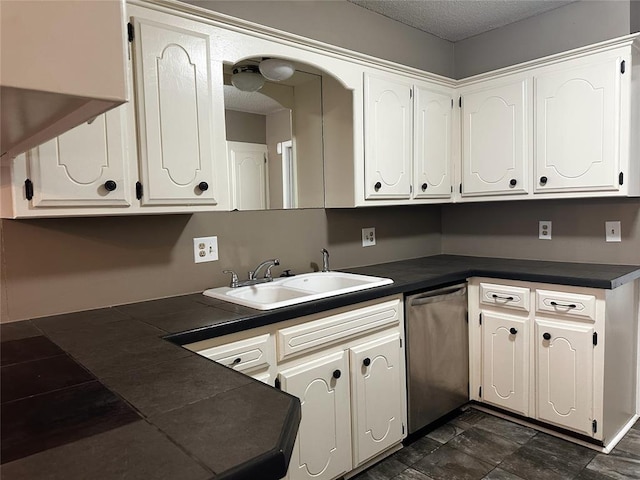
(283, 292)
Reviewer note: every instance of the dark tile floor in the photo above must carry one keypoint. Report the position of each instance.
(475, 445)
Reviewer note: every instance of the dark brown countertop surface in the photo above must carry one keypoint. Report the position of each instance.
(110, 393)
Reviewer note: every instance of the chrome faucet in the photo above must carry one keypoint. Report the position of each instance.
(253, 275)
(325, 260)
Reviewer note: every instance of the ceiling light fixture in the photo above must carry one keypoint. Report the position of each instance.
(276, 70)
(247, 78)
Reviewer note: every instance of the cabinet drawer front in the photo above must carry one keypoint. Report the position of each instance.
(243, 355)
(505, 296)
(566, 304)
(315, 334)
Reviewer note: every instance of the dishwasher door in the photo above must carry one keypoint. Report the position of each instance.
(437, 338)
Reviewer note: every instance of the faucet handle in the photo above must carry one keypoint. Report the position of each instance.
(234, 278)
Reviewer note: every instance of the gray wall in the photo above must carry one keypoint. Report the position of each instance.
(635, 16)
(344, 24)
(572, 26)
(245, 127)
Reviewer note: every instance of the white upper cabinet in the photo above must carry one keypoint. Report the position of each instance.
(86, 166)
(432, 143)
(174, 92)
(496, 139)
(388, 138)
(578, 126)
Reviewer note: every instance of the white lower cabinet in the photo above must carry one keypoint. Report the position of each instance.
(347, 367)
(566, 356)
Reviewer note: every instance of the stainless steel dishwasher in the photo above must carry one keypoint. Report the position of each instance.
(437, 354)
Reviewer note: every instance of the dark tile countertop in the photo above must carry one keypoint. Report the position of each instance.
(110, 393)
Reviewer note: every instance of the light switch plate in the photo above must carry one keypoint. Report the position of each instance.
(613, 231)
(205, 249)
(368, 237)
(544, 230)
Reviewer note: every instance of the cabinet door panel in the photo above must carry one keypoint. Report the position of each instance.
(388, 138)
(565, 374)
(578, 128)
(496, 140)
(323, 447)
(249, 181)
(376, 396)
(175, 101)
(71, 170)
(505, 361)
(432, 144)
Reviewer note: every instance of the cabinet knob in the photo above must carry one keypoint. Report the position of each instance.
(366, 362)
(337, 374)
(110, 185)
(546, 336)
(203, 186)
(513, 182)
(513, 331)
(424, 186)
(377, 186)
(543, 180)
(237, 361)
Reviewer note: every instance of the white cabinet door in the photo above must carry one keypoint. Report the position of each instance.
(249, 181)
(578, 127)
(432, 144)
(323, 447)
(376, 396)
(564, 382)
(174, 93)
(495, 140)
(505, 362)
(86, 166)
(388, 138)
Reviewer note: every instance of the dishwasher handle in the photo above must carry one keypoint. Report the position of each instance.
(439, 295)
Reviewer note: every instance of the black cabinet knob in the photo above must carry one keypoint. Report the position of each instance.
(513, 331)
(543, 180)
(377, 186)
(424, 186)
(203, 186)
(110, 185)
(337, 374)
(237, 361)
(366, 362)
(513, 182)
(546, 336)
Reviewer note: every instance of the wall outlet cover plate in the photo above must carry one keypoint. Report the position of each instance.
(544, 230)
(368, 237)
(613, 231)
(205, 249)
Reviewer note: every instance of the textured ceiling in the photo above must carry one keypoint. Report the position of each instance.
(456, 20)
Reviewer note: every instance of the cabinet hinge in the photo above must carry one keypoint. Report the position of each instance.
(595, 338)
(28, 189)
(411, 93)
(138, 190)
(460, 188)
(452, 103)
(264, 155)
(466, 317)
(480, 391)
(277, 384)
(400, 343)
(403, 428)
(594, 426)
(451, 188)
(480, 316)
(621, 178)
(410, 188)
(130, 32)
(460, 102)
(623, 66)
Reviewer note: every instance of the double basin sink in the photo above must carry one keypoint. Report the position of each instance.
(283, 292)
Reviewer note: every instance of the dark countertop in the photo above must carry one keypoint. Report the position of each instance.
(102, 394)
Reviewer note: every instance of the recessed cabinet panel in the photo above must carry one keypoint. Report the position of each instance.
(496, 140)
(432, 144)
(376, 396)
(578, 128)
(388, 138)
(85, 166)
(322, 449)
(564, 383)
(505, 346)
(174, 92)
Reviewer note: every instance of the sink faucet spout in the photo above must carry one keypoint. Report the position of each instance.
(268, 264)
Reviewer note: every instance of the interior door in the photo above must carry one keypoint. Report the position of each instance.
(249, 175)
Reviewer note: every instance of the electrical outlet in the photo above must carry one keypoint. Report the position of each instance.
(612, 231)
(544, 230)
(205, 249)
(368, 237)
